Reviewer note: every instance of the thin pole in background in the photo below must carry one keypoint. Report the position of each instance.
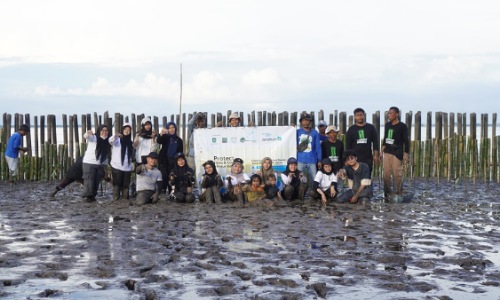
(180, 99)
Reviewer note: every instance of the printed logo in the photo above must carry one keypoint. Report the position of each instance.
(361, 134)
(242, 140)
(390, 133)
(233, 140)
(333, 151)
(224, 140)
(214, 140)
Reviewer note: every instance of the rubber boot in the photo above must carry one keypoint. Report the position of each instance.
(125, 193)
(54, 191)
(116, 193)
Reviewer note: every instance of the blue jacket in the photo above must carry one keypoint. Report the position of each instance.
(313, 152)
(13, 145)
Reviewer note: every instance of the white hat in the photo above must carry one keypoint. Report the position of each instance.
(330, 128)
(145, 120)
(234, 116)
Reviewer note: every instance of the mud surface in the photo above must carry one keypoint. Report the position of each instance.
(443, 245)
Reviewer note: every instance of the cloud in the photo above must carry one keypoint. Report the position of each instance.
(261, 77)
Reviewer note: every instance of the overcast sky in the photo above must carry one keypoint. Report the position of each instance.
(124, 56)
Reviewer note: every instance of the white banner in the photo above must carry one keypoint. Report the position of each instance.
(252, 144)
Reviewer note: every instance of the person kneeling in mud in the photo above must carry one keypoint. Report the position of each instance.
(254, 192)
(75, 173)
(295, 181)
(271, 188)
(181, 180)
(324, 186)
(235, 181)
(358, 179)
(149, 181)
(211, 183)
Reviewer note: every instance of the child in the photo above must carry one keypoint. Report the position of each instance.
(271, 189)
(211, 182)
(182, 180)
(12, 150)
(235, 181)
(254, 191)
(324, 186)
(295, 181)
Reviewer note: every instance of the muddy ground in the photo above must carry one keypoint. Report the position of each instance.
(443, 245)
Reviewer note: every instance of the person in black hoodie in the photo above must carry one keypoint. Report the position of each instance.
(211, 183)
(171, 144)
(182, 180)
(75, 173)
(295, 181)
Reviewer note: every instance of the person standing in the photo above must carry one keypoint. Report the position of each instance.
(171, 144)
(333, 149)
(322, 130)
(144, 141)
(363, 139)
(95, 161)
(234, 120)
(121, 161)
(395, 151)
(14, 145)
(197, 121)
(308, 147)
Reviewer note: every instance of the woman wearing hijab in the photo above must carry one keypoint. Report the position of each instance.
(144, 142)
(294, 180)
(211, 183)
(94, 161)
(121, 161)
(266, 169)
(235, 181)
(171, 144)
(324, 186)
(182, 180)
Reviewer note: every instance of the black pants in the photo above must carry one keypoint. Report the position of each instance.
(121, 179)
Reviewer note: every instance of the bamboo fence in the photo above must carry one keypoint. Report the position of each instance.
(449, 153)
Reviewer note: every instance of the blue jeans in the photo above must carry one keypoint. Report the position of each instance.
(309, 170)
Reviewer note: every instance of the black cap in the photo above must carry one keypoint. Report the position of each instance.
(238, 160)
(305, 116)
(153, 155)
(291, 160)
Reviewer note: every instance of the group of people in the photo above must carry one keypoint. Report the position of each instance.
(321, 159)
